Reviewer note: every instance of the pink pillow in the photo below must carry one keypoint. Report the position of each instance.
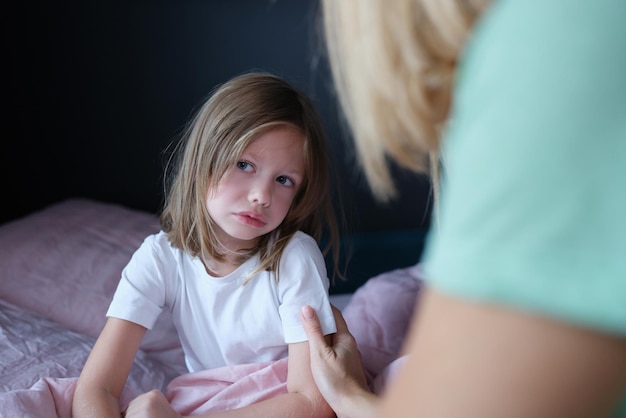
(64, 263)
(379, 313)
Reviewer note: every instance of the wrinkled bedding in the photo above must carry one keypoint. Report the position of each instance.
(58, 270)
(36, 354)
(203, 392)
(33, 347)
(190, 394)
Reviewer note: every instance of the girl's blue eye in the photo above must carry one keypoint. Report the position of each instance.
(243, 165)
(285, 180)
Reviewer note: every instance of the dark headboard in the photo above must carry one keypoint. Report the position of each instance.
(97, 90)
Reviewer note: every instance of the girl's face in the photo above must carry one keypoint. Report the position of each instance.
(253, 197)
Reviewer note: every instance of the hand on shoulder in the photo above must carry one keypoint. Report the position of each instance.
(337, 368)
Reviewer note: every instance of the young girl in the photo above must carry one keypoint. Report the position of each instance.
(237, 256)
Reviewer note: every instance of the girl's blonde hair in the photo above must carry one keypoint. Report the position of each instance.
(393, 64)
(234, 116)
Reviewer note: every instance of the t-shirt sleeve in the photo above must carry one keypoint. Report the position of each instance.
(533, 208)
(303, 281)
(140, 295)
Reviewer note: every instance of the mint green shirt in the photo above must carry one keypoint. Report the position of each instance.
(533, 208)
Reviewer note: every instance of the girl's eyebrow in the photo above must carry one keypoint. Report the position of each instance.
(290, 171)
(246, 154)
(294, 171)
(295, 174)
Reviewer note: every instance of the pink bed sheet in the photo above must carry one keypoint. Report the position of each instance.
(222, 389)
(215, 390)
(32, 347)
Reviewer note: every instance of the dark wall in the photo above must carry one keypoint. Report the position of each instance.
(96, 90)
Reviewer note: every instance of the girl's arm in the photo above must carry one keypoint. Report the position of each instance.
(481, 360)
(106, 370)
(303, 392)
(302, 401)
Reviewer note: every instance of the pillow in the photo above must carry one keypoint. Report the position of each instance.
(379, 313)
(65, 261)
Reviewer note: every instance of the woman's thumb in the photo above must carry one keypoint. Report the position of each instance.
(312, 327)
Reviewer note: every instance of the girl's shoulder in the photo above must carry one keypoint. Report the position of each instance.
(157, 240)
(300, 236)
(303, 241)
(302, 248)
(159, 245)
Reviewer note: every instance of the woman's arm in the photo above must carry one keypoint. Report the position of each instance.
(106, 370)
(478, 360)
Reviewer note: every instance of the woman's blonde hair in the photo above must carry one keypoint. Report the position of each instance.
(393, 64)
(235, 114)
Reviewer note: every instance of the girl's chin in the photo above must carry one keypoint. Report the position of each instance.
(244, 240)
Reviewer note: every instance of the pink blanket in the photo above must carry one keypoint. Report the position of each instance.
(195, 393)
(203, 392)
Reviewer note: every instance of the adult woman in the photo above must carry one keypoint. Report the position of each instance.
(525, 309)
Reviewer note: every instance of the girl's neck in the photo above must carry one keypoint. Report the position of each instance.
(233, 257)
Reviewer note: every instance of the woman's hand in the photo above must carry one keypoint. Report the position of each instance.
(152, 404)
(337, 368)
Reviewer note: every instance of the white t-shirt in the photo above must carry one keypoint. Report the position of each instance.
(219, 320)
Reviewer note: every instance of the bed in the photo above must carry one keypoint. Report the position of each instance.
(59, 268)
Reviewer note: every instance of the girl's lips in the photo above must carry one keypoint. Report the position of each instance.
(251, 218)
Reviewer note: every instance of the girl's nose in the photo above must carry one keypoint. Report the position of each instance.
(260, 194)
